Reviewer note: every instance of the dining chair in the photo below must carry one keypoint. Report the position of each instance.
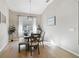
(23, 41)
(42, 38)
(34, 43)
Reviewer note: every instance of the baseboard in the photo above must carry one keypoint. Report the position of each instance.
(70, 51)
(3, 47)
(58, 45)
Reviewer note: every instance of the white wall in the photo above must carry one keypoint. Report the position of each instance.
(65, 33)
(3, 26)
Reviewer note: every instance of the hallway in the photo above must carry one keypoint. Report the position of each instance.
(11, 51)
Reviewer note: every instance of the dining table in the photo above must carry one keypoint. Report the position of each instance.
(28, 36)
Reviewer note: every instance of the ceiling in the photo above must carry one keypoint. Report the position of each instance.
(37, 6)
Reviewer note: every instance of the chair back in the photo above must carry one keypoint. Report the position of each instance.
(42, 35)
(35, 37)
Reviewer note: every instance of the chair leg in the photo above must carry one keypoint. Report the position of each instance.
(26, 47)
(38, 50)
(43, 44)
(19, 47)
(31, 51)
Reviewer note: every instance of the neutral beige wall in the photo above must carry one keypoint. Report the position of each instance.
(14, 19)
(65, 33)
(3, 26)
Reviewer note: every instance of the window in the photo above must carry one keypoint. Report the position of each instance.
(27, 23)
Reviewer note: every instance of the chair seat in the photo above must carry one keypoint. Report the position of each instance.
(22, 40)
(40, 40)
(26, 37)
(33, 43)
(23, 43)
